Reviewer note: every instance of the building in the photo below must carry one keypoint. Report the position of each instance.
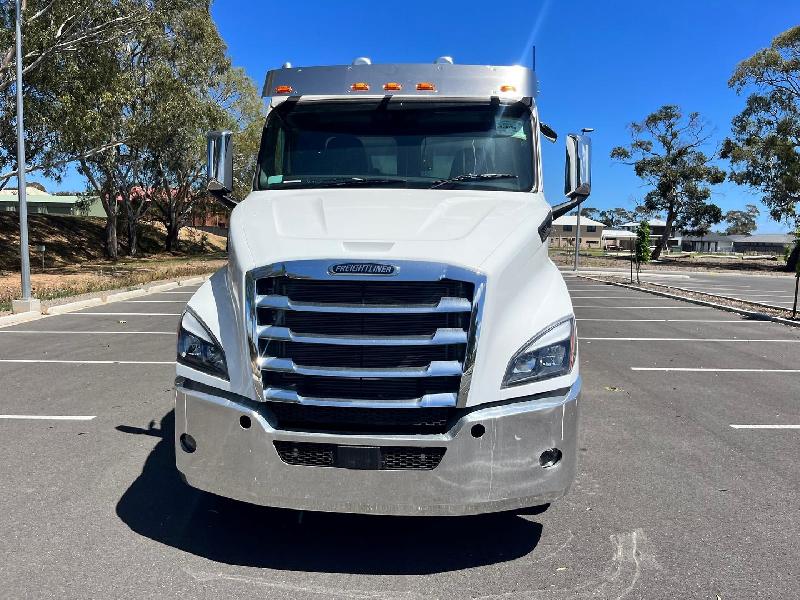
(713, 242)
(41, 202)
(618, 239)
(763, 243)
(564, 228)
(657, 228)
(760, 243)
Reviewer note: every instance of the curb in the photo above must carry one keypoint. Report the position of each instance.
(105, 298)
(749, 313)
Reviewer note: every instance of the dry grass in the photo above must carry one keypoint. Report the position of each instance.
(83, 280)
(75, 264)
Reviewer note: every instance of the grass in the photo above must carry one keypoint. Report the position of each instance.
(120, 276)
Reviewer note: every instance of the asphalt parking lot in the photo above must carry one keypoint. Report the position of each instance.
(767, 289)
(688, 480)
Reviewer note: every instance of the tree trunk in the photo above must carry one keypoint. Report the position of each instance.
(133, 242)
(171, 242)
(111, 237)
(664, 240)
(791, 264)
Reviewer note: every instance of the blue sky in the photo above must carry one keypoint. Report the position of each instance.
(600, 64)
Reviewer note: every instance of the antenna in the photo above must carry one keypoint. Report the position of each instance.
(533, 62)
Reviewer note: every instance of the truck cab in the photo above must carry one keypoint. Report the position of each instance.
(389, 335)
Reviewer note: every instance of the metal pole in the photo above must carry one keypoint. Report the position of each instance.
(577, 237)
(23, 200)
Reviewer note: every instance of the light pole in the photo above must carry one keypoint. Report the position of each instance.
(26, 303)
(584, 131)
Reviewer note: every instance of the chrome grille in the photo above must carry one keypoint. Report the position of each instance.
(364, 341)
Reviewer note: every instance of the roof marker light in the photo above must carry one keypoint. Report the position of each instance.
(283, 89)
(360, 86)
(426, 86)
(508, 88)
(392, 86)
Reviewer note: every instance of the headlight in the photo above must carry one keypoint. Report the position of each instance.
(199, 349)
(549, 354)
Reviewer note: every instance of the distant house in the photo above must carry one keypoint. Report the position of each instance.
(564, 229)
(760, 243)
(657, 228)
(713, 242)
(40, 201)
(763, 243)
(618, 239)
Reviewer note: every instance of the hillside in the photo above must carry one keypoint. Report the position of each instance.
(80, 240)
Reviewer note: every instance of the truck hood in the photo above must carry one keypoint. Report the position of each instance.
(457, 227)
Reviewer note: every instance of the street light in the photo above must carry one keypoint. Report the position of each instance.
(26, 303)
(584, 131)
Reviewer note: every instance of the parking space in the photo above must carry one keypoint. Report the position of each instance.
(671, 500)
(776, 290)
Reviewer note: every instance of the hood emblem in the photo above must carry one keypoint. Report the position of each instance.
(362, 269)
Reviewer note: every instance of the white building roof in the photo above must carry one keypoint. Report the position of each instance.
(618, 233)
(571, 220)
(651, 222)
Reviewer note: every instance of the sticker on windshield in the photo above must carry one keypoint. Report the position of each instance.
(509, 128)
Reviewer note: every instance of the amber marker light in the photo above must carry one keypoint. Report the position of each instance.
(426, 86)
(508, 88)
(360, 86)
(392, 86)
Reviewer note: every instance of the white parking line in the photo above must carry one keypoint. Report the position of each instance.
(126, 314)
(713, 370)
(626, 307)
(672, 321)
(152, 301)
(688, 339)
(86, 362)
(766, 426)
(56, 332)
(51, 417)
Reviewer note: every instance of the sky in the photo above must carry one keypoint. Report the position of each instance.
(600, 64)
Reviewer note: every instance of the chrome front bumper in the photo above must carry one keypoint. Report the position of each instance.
(498, 471)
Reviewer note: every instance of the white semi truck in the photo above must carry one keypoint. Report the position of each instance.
(389, 335)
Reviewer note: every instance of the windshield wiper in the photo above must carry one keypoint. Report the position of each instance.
(473, 177)
(342, 182)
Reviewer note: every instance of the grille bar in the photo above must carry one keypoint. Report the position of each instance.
(442, 336)
(425, 401)
(445, 305)
(434, 369)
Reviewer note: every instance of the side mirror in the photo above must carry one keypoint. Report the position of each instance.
(578, 170)
(219, 169)
(577, 173)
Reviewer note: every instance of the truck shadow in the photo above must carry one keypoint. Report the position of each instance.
(160, 506)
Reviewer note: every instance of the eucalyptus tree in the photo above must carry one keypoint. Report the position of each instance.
(154, 81)
(764, 148)
(666, 151)
(60, 38)
(179, 161)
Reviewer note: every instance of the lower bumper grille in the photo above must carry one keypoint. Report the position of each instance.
(335, 419)
(382, 458)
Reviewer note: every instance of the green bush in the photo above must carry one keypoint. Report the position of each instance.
(643, 243)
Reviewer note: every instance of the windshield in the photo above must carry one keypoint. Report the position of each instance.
(395, 143)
